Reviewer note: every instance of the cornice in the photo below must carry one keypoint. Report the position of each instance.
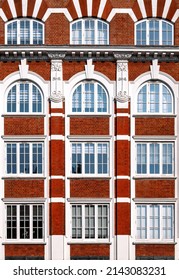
(97, 53)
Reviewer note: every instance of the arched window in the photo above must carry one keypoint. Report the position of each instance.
(89, 32)
(24, 97)
(24, 32)
(154, 32)
(90, 97)
(155, 97)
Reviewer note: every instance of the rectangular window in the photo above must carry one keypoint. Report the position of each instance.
(155, 158)
(90, 221)
(24, 158)
(155, 221)
(90, 158)
(24, 221)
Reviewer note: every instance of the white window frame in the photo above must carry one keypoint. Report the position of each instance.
(160, 174)
(146, 226)
(147, 21)
(18, 238)
(30, 93)
(95, 174)
(83, 99)
(18, 173)
(18, 21)
(83, 226)
(148, 102)
(83, 31)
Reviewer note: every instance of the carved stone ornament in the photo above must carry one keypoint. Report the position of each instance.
(122, 97)
(57, 96)
(56, 66)
(122, 67)
(56, 55)
(122, 56)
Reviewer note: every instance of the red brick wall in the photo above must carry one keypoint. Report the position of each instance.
(136, 69)
(122, 30)
(57, 126)
(39, 67)
(57, 157)
(23, 126)
(89, 250)
(122, 188)
(154, 126)
(155, 188)
(122, 216)
(2, 37)
(57, 30)
(122, 125)
(57, 218)
(57, 188)
(24, 250)
(122, 157)
(89, 126)
(155, 250)
(89, 188)
(24, 188)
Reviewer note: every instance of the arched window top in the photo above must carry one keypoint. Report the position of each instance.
(24, 31)
(89, 98)
(155, 98)
(24, 98)
(154, 32)
(89, 31)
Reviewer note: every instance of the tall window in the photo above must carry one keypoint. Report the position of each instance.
(90, 97)
(155, 98)
(90, 158)
(24, 32)
(89, 32)
(90, 221)
(155, 158)
(24, 221)
(24, 158)
(154, 32)
(155, 221)
(24, 97)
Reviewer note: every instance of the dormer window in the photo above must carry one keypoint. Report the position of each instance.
(154, 32)
(89, 32)
(24, 32)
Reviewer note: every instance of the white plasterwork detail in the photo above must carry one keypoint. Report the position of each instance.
(56, 81)
(122, 82)
(154, 69)
(23, 69)
(89, 69)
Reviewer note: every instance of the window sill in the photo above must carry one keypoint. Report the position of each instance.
(89, 242)
(24, 242)
(82, 115)
(154, 115)
(148, 242)
(29, 115)
(21, 177)
(105, 177)
(149, 177)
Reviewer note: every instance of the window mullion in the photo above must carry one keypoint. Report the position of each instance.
(161, 222)
(96, 221)
(148, 221)
(83, 221)
(30, 159)
(31, 220)
(18, 220)
(148, 158)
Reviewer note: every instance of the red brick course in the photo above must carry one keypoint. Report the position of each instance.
(122, 188)
(57, 126)
(155, 250)
(57, 154)
(89, 250)
(57, 188)
(89, 126)
(89, 188)
(23, 125)
(18, 250)
(122, 157)
(155, 188)
(24, 188)
(122, 125)
(154, 126)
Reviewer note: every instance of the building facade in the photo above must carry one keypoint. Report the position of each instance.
(89, 124)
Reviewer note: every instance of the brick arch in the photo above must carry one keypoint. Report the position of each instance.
(86, 8)
(24, 8)
(147, 9)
